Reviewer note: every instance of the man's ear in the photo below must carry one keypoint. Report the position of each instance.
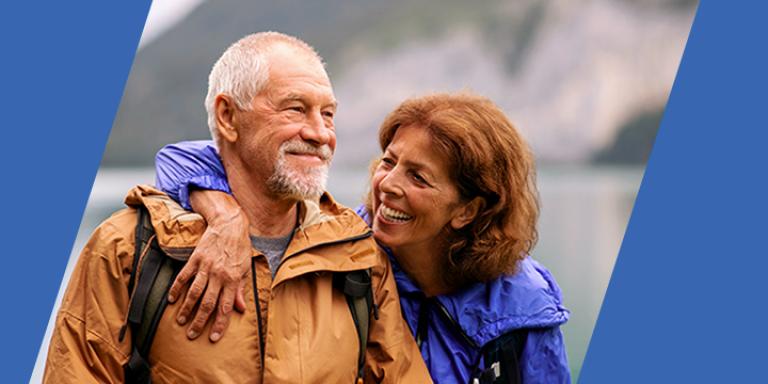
(225, 108)
(467, 213)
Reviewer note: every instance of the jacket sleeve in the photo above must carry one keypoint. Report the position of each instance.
(85, 346)
(392, 355)
(544, 360)
(189, 164)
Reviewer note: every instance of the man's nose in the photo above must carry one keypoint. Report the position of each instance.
(315, 131)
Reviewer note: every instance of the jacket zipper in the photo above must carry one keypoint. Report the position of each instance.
(256, 288)
(258, 312)
(447, 316)
(423, 319)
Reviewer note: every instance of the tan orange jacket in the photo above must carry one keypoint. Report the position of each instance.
(307, 327)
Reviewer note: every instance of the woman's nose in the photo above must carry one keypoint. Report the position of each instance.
(390, 184)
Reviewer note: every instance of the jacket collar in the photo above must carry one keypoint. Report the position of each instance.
(321, 223)
(530, 298)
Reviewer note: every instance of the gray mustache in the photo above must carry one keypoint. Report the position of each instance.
(304, 148)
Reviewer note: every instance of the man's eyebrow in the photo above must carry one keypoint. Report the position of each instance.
(302, 98)
(293, 97)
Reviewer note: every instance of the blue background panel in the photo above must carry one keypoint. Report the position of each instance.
(686, 302)
(64, 66)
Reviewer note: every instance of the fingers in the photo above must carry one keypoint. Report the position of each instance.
(193, 294)
(215, 278)
(240, 297)
(182, 278)
(219, 326)
(226, 301)
(207, 306)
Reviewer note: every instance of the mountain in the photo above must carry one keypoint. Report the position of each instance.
(569, 74)
(630, 146)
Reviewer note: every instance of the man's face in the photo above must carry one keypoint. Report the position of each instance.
(288, 139)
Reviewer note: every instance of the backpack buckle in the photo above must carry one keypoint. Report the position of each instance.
(488, 375)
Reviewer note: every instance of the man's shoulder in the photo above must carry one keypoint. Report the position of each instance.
(118, 227)
(177, 231)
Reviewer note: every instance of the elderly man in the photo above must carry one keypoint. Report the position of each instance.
(270, 109)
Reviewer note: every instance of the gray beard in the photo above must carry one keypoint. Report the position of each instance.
(301, 184)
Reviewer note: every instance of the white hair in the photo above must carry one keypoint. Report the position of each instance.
(242, 71)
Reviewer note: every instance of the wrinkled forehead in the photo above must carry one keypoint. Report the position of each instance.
(287, 59)
(298, 84)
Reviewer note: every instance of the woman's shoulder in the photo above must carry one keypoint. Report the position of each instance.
(529, 298)
(530, 279)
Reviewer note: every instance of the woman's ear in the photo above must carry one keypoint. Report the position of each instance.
(467, 213)
(225, 109)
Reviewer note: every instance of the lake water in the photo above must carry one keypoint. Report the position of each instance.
(584, 213)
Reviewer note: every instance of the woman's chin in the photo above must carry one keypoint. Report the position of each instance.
(384, 234)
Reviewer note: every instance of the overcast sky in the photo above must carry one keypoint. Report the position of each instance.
(165, 14)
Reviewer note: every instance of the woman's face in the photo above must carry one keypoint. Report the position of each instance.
(414, 198)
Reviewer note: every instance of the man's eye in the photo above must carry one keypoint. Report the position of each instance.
(296, 108)
(328, 114)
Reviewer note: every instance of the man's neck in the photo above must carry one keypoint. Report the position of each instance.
(268, 215)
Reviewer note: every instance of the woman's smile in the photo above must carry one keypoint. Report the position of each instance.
(393, 216)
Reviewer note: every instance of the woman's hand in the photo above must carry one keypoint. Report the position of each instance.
(217, 267)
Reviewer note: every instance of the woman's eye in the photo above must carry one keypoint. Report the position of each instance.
(419, 179)
(387, 162)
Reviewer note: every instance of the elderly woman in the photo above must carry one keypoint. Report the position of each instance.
(453, 203)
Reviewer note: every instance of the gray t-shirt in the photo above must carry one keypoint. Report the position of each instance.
(273, 248)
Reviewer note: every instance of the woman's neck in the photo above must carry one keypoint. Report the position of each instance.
(425, 268)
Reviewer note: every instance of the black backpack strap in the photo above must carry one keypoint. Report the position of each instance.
(144, 232)
(143, 235)
(149, 291)
(137, 369)
(356, 286)
(501, 358)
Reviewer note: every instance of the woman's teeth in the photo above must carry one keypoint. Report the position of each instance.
(394, 215)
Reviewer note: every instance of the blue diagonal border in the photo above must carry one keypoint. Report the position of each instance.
(64, 66)
(686, 301)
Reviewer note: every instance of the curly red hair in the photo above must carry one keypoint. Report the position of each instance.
(489, 159)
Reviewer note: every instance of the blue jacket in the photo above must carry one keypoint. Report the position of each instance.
(529, 299)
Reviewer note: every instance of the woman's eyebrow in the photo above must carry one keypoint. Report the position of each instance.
(419, 166)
